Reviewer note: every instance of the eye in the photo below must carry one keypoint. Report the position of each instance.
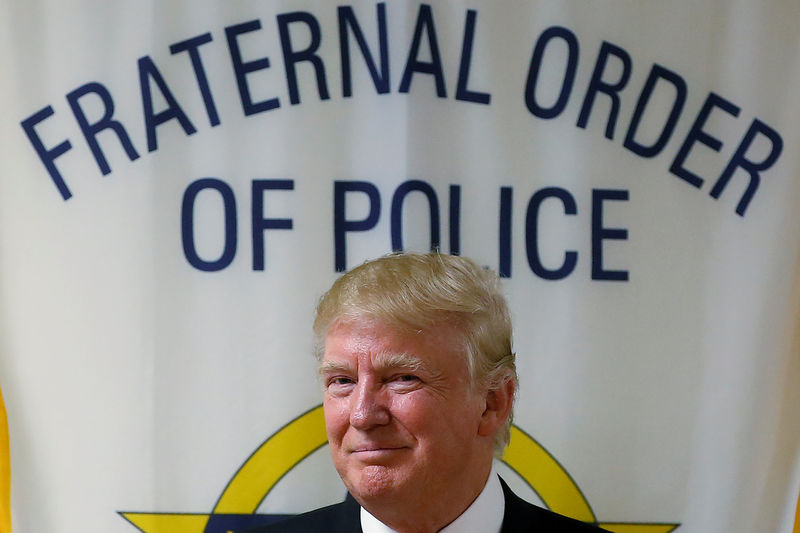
(339, 385)
(405, 382)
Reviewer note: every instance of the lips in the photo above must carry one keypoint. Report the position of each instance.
(376, 453)
(365, 448)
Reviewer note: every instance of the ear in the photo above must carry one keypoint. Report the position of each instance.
(499, 401)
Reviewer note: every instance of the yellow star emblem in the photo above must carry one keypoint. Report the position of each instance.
(305, 434)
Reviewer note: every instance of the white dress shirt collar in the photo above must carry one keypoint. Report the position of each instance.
(485, 515)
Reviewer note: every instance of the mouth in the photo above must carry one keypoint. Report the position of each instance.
(371, 453)
(363, 449)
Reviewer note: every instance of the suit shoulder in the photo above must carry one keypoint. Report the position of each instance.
(333, 518)
(550, 521)
(522, 516)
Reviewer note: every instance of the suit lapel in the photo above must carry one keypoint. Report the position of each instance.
(349, 516)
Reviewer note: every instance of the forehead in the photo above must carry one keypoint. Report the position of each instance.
(441, 345)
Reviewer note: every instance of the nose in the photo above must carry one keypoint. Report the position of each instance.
(368, 406)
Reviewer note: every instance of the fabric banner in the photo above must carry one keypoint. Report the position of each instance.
(5, 472)
(797, 517)
(181, 181)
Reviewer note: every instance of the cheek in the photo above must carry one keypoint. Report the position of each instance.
(418, 414)
(430, 419)
(337, 420)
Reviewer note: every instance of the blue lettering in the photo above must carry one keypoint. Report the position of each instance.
(259, 222)
(191, 46)
(291, 57)
(434, 67)
(147, 70)
(751, 167)
(397, 212)
(656, 73)
(187, 224)
(506, 197)
(341, 225)
(455, 219)
(348, 19)
(462, 92)
(90, 131)
(536, 64)
(696, 134)
(600, 233)
(611, 89)
(532, 234)
(242, 68)
(48, 156)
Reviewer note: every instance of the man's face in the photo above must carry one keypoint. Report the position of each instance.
(402, 419)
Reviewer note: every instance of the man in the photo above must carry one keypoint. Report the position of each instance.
(419, 382)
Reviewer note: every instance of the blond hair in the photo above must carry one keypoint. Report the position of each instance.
(413, 292)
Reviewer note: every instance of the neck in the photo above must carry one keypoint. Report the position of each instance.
(421, 513)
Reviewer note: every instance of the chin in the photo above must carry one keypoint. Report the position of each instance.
(374, 482)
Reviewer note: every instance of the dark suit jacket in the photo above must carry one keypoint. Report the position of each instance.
(520, 517)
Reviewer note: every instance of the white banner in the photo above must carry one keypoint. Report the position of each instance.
(181, 181)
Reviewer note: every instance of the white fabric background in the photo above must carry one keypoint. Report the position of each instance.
(133, 380)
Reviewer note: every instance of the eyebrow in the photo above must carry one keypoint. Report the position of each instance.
(330, 367)
(383, 361)
(398, 360)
